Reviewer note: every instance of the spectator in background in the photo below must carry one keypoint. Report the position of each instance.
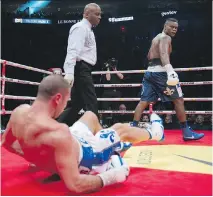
(168, 119)
(111, 65)
(145, 118)
(199, 123)
(122, 107)
(123, 117)
(169, 123)
(191, 119)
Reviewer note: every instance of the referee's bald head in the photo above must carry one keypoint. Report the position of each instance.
(91, 6)
(92, 12)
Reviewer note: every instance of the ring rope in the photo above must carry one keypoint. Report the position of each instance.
(148, 112)
(102, 99)
(102, 72)
(25, 67)
(3, 87)
(107, 85)
(20, 81)
(18, 97)
(139, 85)
(143, 71)
(138, 99)
(4, 79)
(145, 112)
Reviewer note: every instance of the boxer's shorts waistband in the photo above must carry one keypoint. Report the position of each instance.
(157, 68)
(155, 65)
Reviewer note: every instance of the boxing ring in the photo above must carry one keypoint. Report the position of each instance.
(173, 167)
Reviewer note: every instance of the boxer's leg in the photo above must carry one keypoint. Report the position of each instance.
(141, 106)
(134, 134)
(180, 109)
(91, 121)
(148, 95)
(131, 134)
(175, 95)
(86, 128)
(188, 133)
(120, 136)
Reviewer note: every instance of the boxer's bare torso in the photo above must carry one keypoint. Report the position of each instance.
(161, 40)
(38, 136)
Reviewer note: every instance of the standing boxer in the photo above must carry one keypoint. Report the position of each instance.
(162, 81)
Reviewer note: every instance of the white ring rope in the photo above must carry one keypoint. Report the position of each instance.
(102, 99)
(18, 97)
(101, 72)
(19, 81)
(143, 71)
(138, 99)
(108, 85)
(25, 67)
(148, 112)
(131, 112)
(139, 84)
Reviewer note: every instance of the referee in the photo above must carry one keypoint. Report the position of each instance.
(81, 57)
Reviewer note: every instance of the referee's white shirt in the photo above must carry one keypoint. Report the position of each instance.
(81, 46)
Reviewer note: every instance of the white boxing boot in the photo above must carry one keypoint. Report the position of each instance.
(157, 129)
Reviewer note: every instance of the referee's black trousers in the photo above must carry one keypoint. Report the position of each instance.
(83, 95)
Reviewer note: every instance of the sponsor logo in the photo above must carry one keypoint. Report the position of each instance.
(84, 143)
(182, 158)
(110, 134)
(168, 13)
(18, 20)
(32, 21)
(68, 21)
(169, 91)
(193, 137)
(112, 20)
(191, 112)
(144, 157)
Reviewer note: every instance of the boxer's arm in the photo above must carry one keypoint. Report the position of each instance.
(7, 137)
(66, 161)
(76, 42)
(16, 148)
(164, 45)
(10, 142)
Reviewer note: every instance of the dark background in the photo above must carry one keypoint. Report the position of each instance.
(44, 46)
